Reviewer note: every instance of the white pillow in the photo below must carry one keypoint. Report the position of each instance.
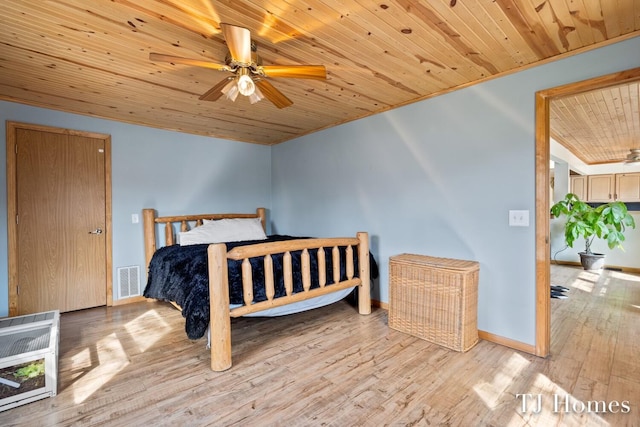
(224, 230)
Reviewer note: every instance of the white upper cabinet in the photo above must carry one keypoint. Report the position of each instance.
(601, 188)
(579, 186)
(624, 187)
(628, 187)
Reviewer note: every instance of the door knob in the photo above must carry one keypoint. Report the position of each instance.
(96, 231)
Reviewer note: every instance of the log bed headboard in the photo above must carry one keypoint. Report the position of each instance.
(187, 222)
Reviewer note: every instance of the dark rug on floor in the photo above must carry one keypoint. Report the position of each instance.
(559, 292)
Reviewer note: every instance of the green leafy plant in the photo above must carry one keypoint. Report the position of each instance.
(607, 221)
(31, 371)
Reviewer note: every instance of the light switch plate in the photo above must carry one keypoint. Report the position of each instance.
(518, 218)
(135, 219)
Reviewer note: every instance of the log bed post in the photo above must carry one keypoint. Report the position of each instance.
(262, 214)
(364, 293)
(149, 221)
(220, 324)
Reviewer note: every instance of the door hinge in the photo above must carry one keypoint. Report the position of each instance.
(16, 219)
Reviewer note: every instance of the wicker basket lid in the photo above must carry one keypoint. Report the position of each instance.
(437, 262)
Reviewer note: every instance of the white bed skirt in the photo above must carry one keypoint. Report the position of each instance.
(296, 307)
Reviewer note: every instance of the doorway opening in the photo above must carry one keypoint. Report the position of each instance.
(543, 156)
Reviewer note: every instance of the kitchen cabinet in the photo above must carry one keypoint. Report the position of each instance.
(624, 187)
(601, 188)
(628, 187)
(579, 186)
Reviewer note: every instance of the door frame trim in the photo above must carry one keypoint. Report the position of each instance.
(543, 155)
(12, 207)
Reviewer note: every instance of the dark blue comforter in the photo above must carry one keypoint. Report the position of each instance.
(180, 274)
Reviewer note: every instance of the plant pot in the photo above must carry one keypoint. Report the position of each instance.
(591, 261)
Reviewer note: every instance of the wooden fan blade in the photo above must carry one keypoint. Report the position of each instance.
(178, 60)
(238, 41)
(215, 92)
(296, 71)
(272, 94)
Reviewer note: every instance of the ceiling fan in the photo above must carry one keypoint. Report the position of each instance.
(633, 156)
(248, 74)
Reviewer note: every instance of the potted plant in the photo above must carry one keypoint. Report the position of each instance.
(607, 221)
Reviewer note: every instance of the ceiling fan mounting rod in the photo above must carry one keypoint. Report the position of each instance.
(238, 64)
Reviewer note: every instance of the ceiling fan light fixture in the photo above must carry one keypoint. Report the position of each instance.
(245, 85)
(256, 96)
(230, 90)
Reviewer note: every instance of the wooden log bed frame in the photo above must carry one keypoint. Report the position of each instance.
(220, 311)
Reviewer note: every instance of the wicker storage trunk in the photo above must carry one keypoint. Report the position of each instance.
(435, 299)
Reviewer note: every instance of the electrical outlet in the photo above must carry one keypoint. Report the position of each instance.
(518, 218)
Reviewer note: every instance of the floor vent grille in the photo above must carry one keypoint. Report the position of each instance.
(129, 281)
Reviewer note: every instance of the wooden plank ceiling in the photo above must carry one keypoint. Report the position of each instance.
(92, 57)
(599, 126)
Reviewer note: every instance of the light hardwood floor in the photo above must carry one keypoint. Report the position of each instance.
(133, 365)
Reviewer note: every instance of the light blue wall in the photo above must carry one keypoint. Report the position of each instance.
(169, 171)
(438, 178)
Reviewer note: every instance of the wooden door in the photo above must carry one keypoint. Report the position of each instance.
(62, 230)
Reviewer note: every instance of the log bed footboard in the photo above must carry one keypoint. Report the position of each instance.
(218, 257)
